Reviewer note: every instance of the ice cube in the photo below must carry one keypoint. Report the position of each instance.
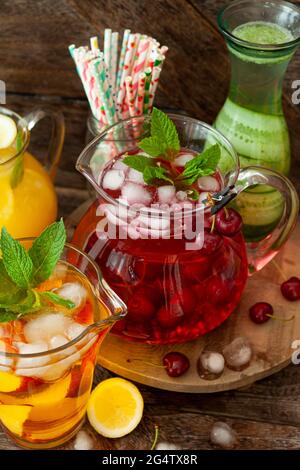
(181, 195)
(134, 193)
(113, 179)
(210, 365)
(60, 271)
(166, 194)
(83, 441)
(72, 291)
(5, 362)
(154, 222)
(44, 327)
(203, 196)
(120, 165)
(238, 353)
(57, 341)
(208, 183)
(34, 348)
(135, 176)
(223, 435)
(74, 330)
(183, 159)
(166, 446)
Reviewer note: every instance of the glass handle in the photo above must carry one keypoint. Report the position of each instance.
(260, 253)
(57, 136)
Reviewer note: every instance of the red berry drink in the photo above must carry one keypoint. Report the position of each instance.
(173, 294)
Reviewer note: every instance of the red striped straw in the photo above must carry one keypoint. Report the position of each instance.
(129, 56)
(139, 65)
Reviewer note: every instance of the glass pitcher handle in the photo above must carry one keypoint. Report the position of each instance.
(57, 136)
(260, 253)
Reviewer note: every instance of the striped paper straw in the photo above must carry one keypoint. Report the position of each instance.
(147, 89)
(139, 65)
(139, 102)
(153, 87)
(122, 56)
(99, 69)
(94, 43)
(114, 59)
(130, 96)
(126, 69)
(107, 47)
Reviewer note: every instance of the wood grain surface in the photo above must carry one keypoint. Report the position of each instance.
(37, 69)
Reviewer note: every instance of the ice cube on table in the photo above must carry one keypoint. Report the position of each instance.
(223, 435)
(166, 194)
(44, 327)
(134, 193)
(182, 159)
(83, 441)
(73, 291)
(113, 179)
(238, 353)
(135, 176)
(210, 365)
(208, 183)
(33, 348)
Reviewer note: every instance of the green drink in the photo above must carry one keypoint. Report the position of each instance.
(252, 117)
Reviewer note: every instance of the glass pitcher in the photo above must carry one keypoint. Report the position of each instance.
(174, 293)
(44, 395)
(28, 201)
(252, 117)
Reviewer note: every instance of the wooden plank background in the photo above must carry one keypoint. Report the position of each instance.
(37, 69)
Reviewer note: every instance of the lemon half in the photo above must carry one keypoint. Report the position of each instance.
(115, 408)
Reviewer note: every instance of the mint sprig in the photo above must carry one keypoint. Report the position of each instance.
(21, 272)
(164, 139)
(203, 164)
(155, 175)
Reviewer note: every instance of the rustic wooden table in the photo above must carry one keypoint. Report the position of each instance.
(35, 65)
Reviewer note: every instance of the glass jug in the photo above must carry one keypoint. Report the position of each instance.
(28, 201)
(44, 395)
(150, 272)
(252, 117)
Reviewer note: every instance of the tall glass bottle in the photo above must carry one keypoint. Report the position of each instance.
(261, 37)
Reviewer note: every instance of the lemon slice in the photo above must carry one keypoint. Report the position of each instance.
(9, 382)
(115, 408)
(14, 417)
(8, 131)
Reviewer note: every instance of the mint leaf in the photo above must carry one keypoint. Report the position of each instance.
(6, 316)
(16, 260)
(164, 129)
(58, 300)
(8, 289)
(17, 172)
(152, 146)
(164, 140)
(193, 194)
(153, 174)
(204, 164)
(30, 303)
(138, 162)
(46, 251)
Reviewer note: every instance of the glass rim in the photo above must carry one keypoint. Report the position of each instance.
(219, 137)
(8, 112)
(252, 45)
(94, 326)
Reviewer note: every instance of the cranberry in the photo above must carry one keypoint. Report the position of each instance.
(140, 307)
(260, 312)
(212, 242)
(228, 222)
(218, 290)
(176, 364)
(184, 299)
(170, 316)
(291, 289)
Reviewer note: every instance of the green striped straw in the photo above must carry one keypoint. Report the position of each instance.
(122, 57)
(104, 89)
(147, 90)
